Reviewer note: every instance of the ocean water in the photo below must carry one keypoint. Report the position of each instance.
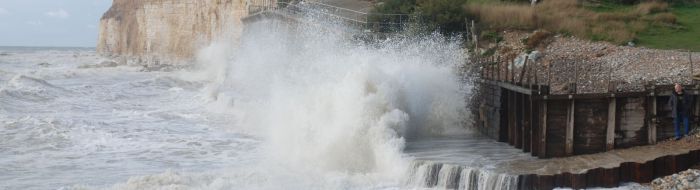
(62, 125)
(283, 107)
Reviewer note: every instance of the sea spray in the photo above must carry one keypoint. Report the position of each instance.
(327, 103)
(302, 109)
(319, 111)
(431, 174)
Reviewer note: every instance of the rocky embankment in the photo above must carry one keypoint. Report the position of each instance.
(689, 179)
(593, 66)
(152, 32)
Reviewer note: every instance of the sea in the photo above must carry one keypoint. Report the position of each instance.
(279, 108)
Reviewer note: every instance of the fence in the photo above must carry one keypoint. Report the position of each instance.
(517, 107)
(373, 22)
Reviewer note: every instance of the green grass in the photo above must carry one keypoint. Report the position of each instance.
(606, 6)
(685, 37)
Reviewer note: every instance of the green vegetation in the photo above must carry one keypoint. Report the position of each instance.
(685, 36)
(670, 24)
(443, 15)
(677, 26)
(596, 21)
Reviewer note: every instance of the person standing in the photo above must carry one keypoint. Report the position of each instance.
(681, 104)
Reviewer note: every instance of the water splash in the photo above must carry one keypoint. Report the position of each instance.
(429, 174)
(326, 102)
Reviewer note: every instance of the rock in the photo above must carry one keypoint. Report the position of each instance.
(171, 29)
(535, 55)
(103, 64)
(683, 180)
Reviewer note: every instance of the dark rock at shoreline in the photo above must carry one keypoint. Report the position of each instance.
(102, 64)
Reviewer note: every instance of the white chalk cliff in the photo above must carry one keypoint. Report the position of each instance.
(158, 31)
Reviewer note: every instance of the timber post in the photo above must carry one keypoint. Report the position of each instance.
(610, 132)
(653, 120)
(569, 147)
(543, 129)
(696, 112)
(511, 117)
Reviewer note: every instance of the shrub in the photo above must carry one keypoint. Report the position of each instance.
(536, 39)
(620, 16)
(638, 26)
(651, 7)
(667, 18)
(396, 6)
(444, 15)
(505, 16)
(447, 14)
(569, 17)
(491, 36)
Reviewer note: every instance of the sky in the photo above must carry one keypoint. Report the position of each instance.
(51, 23)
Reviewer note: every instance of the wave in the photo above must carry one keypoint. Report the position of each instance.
(29, 89)
(450, 176)
(325, 103)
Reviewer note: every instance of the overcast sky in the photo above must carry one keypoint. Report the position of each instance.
(65, 23)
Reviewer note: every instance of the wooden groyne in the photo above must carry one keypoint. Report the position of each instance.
(643, 172)
(559, 125)
(524, 114)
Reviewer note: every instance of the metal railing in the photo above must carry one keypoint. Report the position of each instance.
(361, 20)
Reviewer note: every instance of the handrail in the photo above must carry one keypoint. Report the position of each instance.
(357, 17)
(335, 7)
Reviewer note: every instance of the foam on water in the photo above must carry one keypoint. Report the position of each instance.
(288, 108)
(61, 125)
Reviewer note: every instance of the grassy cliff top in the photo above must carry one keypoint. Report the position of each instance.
(670, 24)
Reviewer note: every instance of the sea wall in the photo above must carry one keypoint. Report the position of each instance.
(154, 32)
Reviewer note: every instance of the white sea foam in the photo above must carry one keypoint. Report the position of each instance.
(288, 108)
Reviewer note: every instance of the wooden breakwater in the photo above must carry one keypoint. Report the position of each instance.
(560, 125)
(639, 172)
(528, 117)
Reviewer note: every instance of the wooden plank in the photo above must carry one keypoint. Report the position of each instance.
(664, 166)
(543, 130)
(590, 121)
(569, 148)
(696, 113)
(607, 95)
(511, 117)
(503, 113)
(664, 119)
(632, 122)
(527, 121)
(557, 114)
(510, 87)
(519, 121)
(652, 121)
(531, 125)
(642, 173)
(610, 132)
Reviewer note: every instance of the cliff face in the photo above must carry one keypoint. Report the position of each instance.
(153, 31)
